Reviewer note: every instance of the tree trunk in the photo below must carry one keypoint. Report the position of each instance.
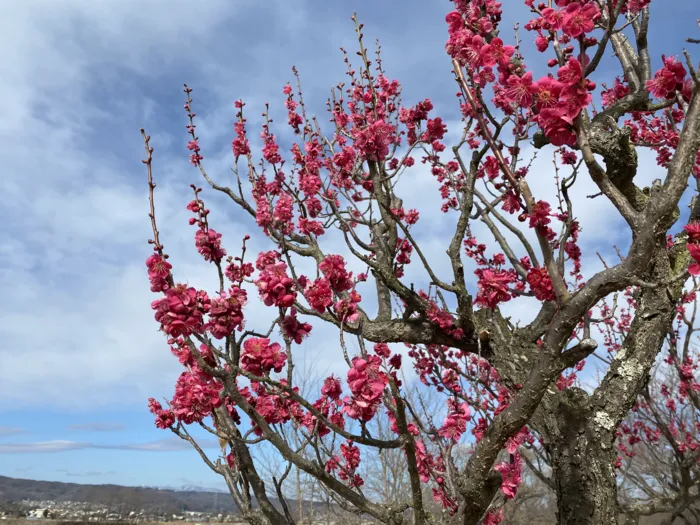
(582, 459)
(579, 429)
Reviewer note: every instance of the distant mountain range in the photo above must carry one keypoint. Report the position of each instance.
(152, 499)
(186, 488)
(155, 500)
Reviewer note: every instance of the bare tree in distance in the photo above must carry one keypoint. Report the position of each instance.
(396, 306)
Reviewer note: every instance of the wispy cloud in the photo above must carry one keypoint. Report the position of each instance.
(86, 474)
(11, 431)
(82, 78)
(163, 445)
(166, 445)
(73, 98)
(98, 427)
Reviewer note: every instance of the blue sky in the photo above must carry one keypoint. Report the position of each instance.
(79, 351)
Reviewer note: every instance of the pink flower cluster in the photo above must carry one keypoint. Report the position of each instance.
(226, 312)
(236, 273)
(275, 286)
(158, 272)
(196, 396)
(333, 268)
(274, 406)
(495, 286)
(336, 280)
(455, 423)
(511, 476)
(412, 118)
(208, 244)
(693, 231)
(541, 284)
(668, 79)
(319, 294)
(553, 104)
(207, 241)
(293, 118)
(574, 19)
(494, 517)
(294, 329)
(260, 357)
(164, 418)
(331, 388)
(631, 6)
(372, 142)
(181, 311)
(366, 382)
(240, 145)
(193, 145)
(348, 465)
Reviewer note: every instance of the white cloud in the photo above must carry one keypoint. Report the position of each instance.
(11, 431)
(46, 447)
(98, 427)
(76, 326)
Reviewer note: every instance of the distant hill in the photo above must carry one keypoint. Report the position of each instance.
(134, 498)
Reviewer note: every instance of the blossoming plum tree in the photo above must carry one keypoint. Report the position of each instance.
(499, 380)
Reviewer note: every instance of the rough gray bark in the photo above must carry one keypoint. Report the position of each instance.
(579, 429)
(582, 459)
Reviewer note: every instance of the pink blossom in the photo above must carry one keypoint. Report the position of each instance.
(541, 284)
(580, 19)
(348, 466)
(510, 474)
(295, 329)
(260, 356)
(668, 79)
(181, 311)
(226, 312)
(319, 294)
(455, 423)
(275, 286)
(164, 418)
(494, 517)
(333, 268)
(208, 244)
(557, 126)
(310, 227)
(496, 53)
(331, 387)
(237, 272)
(270, 148)
(494, 286)
(196, 396)
(693, 230)
(634, 6)
(240, 145)
(521, 89)
(547, 92)
(158, 272)
(441, 499)
(694, 250)
(435, 130)
(373, 141)
(283, 212)
(366, 382)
